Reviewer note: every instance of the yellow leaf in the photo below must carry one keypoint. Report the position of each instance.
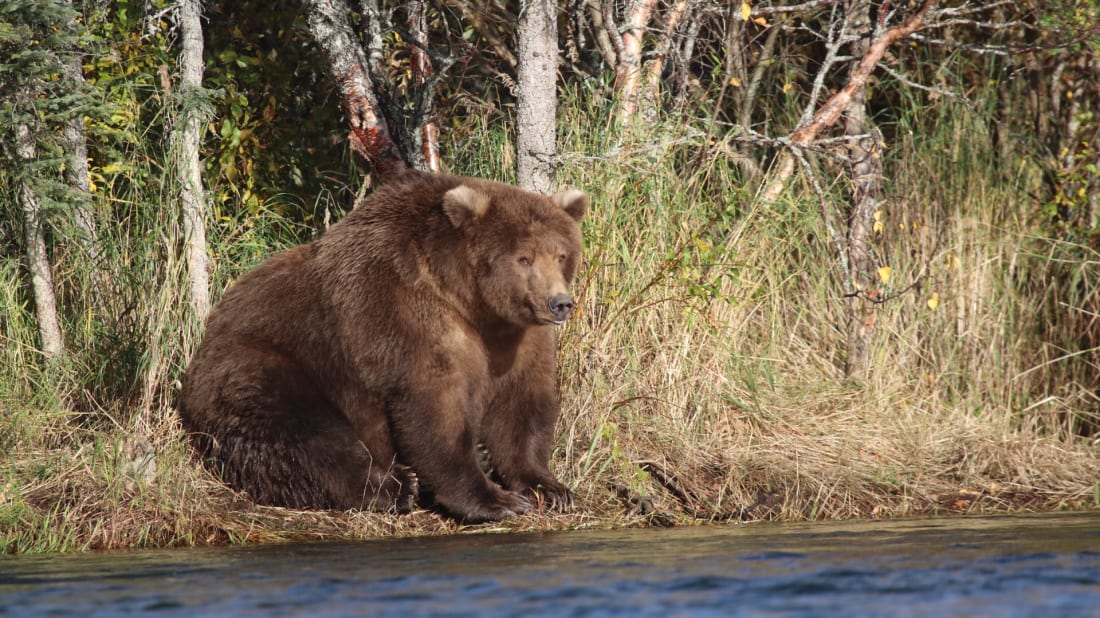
(878, 227)
(760, 21)
(884, 274)
(746, 10)
(786, 87)
(735, 82)
(934, 301)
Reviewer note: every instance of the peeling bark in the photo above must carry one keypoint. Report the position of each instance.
(655, 67)
(536, 107)
(628, 49)
(370, 135)
(427, 132)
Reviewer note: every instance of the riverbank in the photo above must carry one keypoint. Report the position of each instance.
(703, 367)
(119, 491)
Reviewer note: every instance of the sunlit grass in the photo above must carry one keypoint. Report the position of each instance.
(703, 368)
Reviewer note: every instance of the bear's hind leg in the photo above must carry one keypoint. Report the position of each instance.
(272, 433)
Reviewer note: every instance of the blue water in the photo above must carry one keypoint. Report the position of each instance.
(1005, 566)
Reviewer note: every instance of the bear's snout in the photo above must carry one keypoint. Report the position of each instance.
(560, 306)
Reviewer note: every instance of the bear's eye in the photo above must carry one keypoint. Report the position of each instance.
(525, 261)
(561, 258)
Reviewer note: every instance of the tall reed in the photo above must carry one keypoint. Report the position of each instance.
(703, 368)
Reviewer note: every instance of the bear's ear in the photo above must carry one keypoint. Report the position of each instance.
(464, 204)
(573, 202)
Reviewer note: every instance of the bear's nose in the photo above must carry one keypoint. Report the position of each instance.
(561, 305)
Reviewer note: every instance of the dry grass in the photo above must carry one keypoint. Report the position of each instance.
(703, 369)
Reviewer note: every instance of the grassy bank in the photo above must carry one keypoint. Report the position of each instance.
(703, 368)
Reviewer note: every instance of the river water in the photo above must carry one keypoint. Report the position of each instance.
(1044, 566)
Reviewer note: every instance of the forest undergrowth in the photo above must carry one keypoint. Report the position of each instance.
(702, 374)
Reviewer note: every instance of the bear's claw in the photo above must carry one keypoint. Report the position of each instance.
(409, 491)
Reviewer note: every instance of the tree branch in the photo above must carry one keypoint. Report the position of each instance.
(827, 115)
(370, 135)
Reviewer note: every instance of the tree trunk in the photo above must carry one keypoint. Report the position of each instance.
(186, 135)
(370, 135)
(628, 48)
(427, 132)
(655, 67)
(865, 171)
(76, 176)
(536, 107)
(76, 171)
(38, 263)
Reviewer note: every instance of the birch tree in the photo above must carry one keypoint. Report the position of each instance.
(537, 100)
(186, 137)
(38, 263)
(36, 98)
(626, 39)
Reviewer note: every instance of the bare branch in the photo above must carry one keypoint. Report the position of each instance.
(612, 28)
(805, 7)
(828, 114)
(744, 112)
(918, 86)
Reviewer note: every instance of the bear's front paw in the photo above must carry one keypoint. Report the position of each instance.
(551, 495)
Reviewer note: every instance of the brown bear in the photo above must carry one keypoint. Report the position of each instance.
(419, 329)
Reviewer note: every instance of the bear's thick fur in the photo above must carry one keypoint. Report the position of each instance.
(345, 372)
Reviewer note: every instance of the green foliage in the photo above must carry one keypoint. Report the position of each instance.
(708, 326)
(280, 136)
(38, 91)
(1072, 23)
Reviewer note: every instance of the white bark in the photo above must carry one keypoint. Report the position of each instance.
(536, 107)
(187, 134)
(38, 263)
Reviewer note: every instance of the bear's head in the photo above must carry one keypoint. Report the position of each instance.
(523, 248)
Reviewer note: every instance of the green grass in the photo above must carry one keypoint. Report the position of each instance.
(703, 368)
